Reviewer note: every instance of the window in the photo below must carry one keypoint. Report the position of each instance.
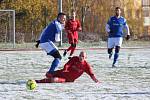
(146, 11)
(146, 8)
(146, 3)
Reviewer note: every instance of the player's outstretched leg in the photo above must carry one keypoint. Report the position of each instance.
(45, 80)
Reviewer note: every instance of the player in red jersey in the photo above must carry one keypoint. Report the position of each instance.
(72, 70)
(72, 27)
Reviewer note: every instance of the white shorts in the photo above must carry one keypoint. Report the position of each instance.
(48, 46)
(115, 41)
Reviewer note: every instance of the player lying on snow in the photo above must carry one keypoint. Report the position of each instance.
(72, 70)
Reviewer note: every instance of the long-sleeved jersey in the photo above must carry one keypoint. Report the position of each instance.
(73, 69)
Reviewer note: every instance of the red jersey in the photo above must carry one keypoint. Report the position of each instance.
(72, 27)
(74, 69)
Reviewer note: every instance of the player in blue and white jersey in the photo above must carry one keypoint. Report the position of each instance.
(115, 29)
(49, 36)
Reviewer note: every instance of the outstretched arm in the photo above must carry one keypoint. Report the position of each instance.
(91, 74)
(94, 78)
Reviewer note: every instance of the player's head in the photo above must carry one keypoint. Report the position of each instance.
(82, 56)
(118, 11)
(73, 14)
(61, 17)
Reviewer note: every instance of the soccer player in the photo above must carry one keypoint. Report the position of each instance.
(72, 27)
(72, 70)
(49, 35)
(115, 27)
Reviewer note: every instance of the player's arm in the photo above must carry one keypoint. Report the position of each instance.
(94, 78)
(107, 27)
(126, 27)
(79, 26)
(67, 27)
(91, 74)
(59, 28)
(68, 65)
(38, 41)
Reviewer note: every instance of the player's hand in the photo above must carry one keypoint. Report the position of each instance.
(37, 43)
(110, 32)
(97, 81)
(79, 29)
(128, 37)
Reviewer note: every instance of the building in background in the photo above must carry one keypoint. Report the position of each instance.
(146, 15)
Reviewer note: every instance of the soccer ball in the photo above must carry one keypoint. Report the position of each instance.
(31, 84)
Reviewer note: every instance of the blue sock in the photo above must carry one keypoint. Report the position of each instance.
(55, 64)
(116, 55)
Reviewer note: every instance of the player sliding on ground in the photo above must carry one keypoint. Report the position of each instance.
(72, 70)
(114, 27)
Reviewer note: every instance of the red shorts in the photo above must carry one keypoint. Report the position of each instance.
(73, 37)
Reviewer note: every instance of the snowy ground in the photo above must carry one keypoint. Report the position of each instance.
(129, 81)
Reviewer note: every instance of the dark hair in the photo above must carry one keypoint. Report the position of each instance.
(60, 14)
(118, 8)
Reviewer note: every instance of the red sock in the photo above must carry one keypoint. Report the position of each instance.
(70, 48)
(72, 51)
(45, 80)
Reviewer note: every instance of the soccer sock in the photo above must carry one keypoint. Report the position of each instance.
(110, 50)
(45, 80)
(70, 48)
(72, 51)
(116, 55)
(55, 64)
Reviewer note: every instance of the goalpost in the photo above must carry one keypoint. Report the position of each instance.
(7, 27)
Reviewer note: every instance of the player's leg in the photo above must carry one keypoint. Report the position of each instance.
(73, 49)
(51, 80)
(52, 50)
(118, 43)
(110, 45)
(110, 52)
(70, 47)
(56, 76)
(116, 55)
(58, 80)
(45, 80)
(56, 61)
